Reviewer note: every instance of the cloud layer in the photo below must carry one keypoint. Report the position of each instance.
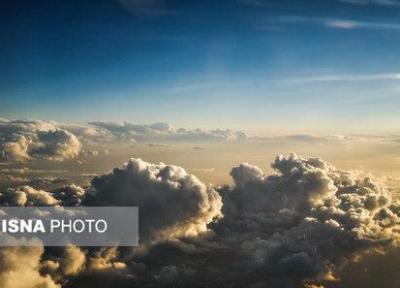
(166, 132)
(23, 140)
(299, 225)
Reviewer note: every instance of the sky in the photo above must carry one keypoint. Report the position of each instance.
(231, 207)
(324, 66)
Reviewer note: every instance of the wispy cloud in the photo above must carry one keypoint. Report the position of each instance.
(341, 24)
(349, 24)
(385, 3)
(390, 3)
(347, 78)
(204, 84)
(336, 23)
(195, 86)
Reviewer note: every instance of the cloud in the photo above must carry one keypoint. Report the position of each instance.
(158, 145)
(73, 261)
(388, 3)
(304, 222)
(172, 202)
(68, 195)
(145, 8)
(336, 23)
(333, 139)
(17, 150)
(22, 140)
(126, 129)
(70, 263)
(297, 226)
(58, 144)
(26, 140)
(87, 133)
(30, 266)
(349, 24)
(105, 259)
(7, 180)
(19, 268)
(166, 132)
(347, 78)
(341, 24)
(309, 219)
(27, 196)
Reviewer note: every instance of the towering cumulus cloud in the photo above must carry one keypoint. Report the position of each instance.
(172, 203)
(309, 219)
(26, 139)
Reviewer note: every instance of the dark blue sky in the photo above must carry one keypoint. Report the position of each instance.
(331, 64)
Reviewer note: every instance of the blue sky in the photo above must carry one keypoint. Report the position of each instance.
(305, 66)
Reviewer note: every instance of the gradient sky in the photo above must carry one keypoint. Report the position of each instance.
(306, 66)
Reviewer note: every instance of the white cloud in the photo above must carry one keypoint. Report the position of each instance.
(337, 23)
(69, 195)
(27, 196)
(166, 132)
(349, 24)
(29, 139)
(341, 24)
(172, 202)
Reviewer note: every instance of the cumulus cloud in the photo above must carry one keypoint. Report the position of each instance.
(27, 196)
(57, 144)
(27, 139)
(105, 259)
(25, 266)
(304, 222)
(126, 130)
(19, 268)
(298, 226)
(172, 202)
(68, 195)
(308, 219)
(17, 150)
(89, 134)
(71, 263)
(166, 132)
